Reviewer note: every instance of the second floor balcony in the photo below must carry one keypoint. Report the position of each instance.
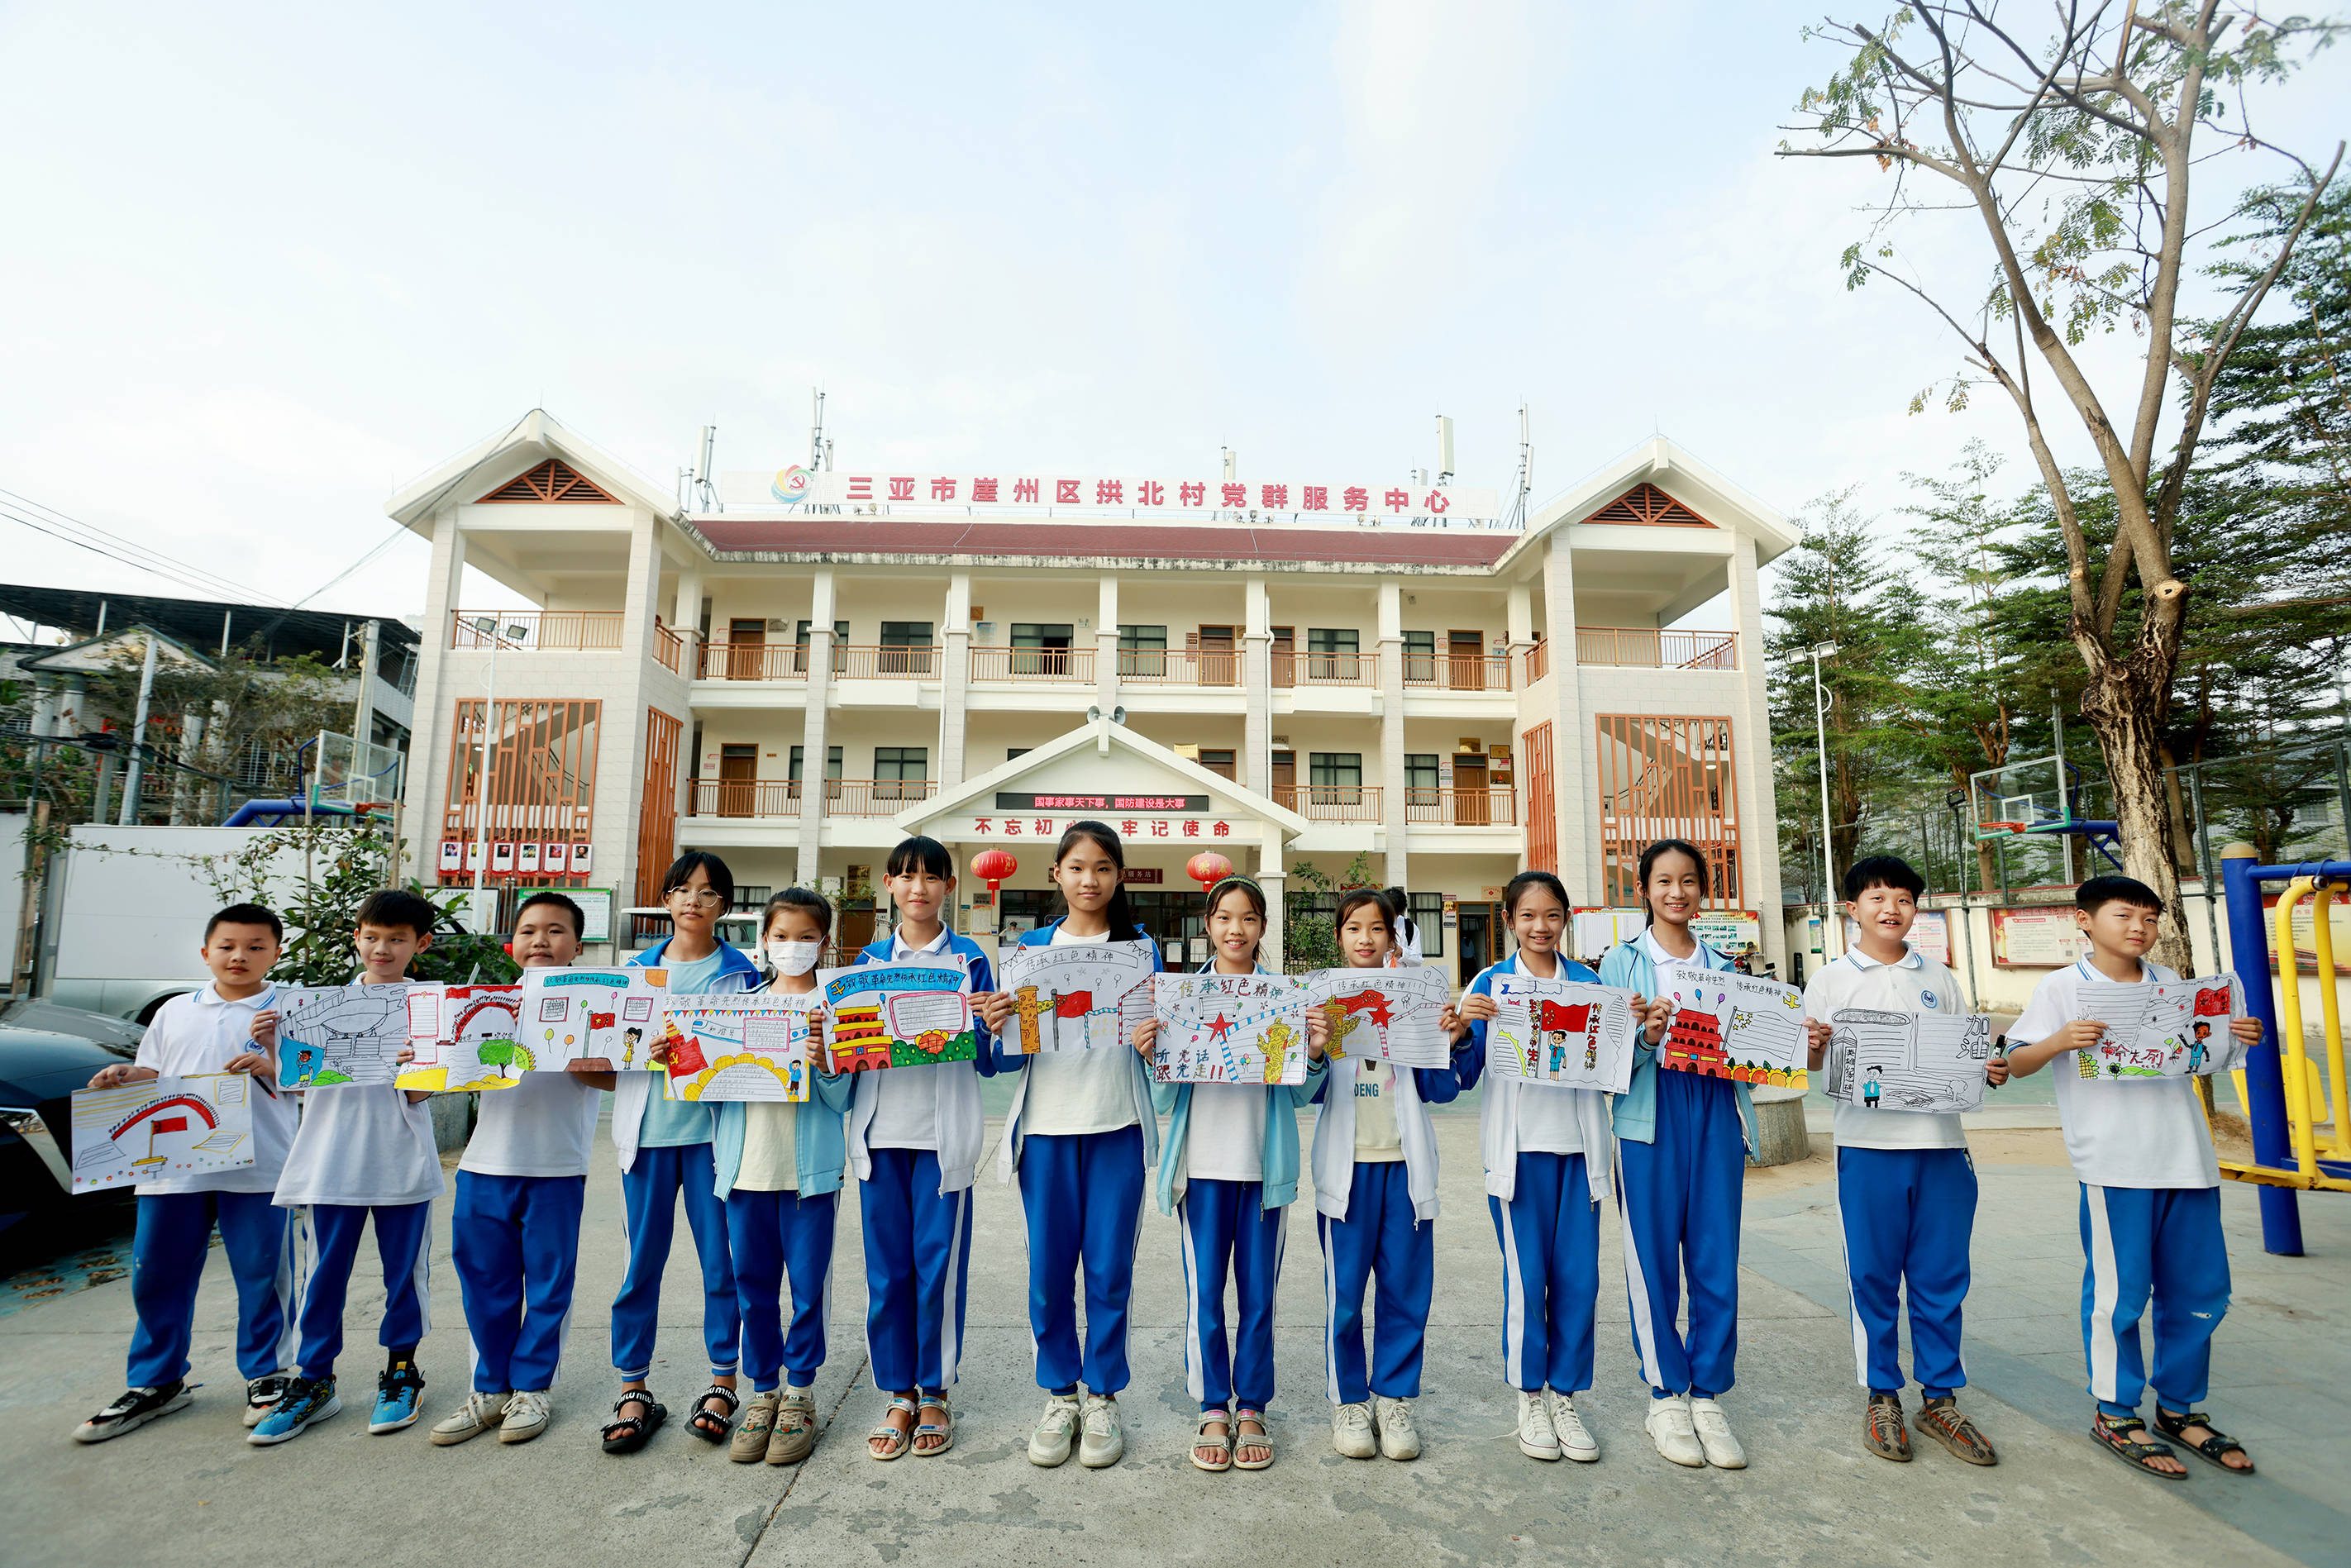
(783, 797)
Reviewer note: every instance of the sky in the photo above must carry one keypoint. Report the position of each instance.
(267, 265)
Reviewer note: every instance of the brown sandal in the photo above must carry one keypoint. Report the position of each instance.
(1940, 1419)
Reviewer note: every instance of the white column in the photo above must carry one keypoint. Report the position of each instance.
(436, 696)
(1270, 874)
(1573, 764)
(1106, 644)
(955, 680)
(686, 617)
(1522, 612)
(1392, 812)
(1256, 679)
(622, 731)
(1758, 818)
(812, 743)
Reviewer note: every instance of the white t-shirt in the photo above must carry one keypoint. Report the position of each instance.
(1405, 955)
(1376, 1137)
(770, 1148)
(198, 1033)
(1914, 985)
(906, 1100)
(363, 1144)
(1547, 1122)
(543, 1126)
(1073, 1092)
(1226, 1138)
(2146, 1132)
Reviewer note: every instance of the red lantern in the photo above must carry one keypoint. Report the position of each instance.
(1207, 869)
(993, 866)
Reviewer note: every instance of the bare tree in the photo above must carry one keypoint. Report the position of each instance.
(2075, 150)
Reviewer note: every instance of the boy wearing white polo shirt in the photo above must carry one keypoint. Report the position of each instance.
(2150, 1196)
(1905, 1186)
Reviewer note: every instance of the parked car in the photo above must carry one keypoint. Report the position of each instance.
(46, 1052)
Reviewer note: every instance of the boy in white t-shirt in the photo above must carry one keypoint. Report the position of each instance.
(208, 1031)
(364, 1154)
(2150, 1196)
(1905, 1186)
(515, 1227)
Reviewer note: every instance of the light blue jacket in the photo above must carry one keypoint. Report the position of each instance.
(1280, 1156)
(1627, 964)
(1009, 1058)
(635, 1090)
(819, 1148)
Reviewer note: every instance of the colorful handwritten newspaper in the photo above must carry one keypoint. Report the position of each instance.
(465, 1037)
(328, 1036)
(164, 1127)
(602, 1020)
(1388, 1015)
(752, 1045)
(1574, 1034)
(896, 1015)
(1923, 1062)
(1071, 997)
(1729, 1025)
(1229, 1028)
(2161, 1029)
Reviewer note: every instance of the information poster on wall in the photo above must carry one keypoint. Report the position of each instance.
(2043, 938)
(1728, 930)
(1594, 931)
(1930, 933)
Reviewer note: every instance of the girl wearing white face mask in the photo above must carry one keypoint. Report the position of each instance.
(778, 1168)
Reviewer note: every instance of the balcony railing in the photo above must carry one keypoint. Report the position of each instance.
(781, 797)
(668, 646)
(754, 661)
(1538, 662)
(1492, 806)
(524, 631)
(1330, 802)
(1326, 669)
(1642, 648)
(1074, 665)
(1181, 667)
(1458, 671)
(888, 663)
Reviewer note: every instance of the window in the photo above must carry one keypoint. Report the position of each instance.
(832, 764)
(1040, 648)
(1420, 780)
(840, 642)
(1219, 761)
(1427, 911)
(1332, 640)
(899, 772)
(1420, 658)
(1335, 769)
(1143, 651)
(905, 633)
(906, 649)
(1667, 777)
(752, 898)
(1331, 654)
(1014, 752)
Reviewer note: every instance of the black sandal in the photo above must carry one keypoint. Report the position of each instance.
(2109, 1433)
(2214, 1450)
(701, 1412)
(630, 1433)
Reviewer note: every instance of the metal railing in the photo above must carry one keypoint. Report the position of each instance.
(1330, 802)
(888, 663)
(1537, 662)
(781, 797)
(668, 646)
(1642, 647)
(1493, 806)
(524, 631)
(1326, 669)
(1075, 666)
(1458, 671)
(754, 662)
(1181, 667)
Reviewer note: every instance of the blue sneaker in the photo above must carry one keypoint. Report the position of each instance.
(396, 1394)
(306, 1402)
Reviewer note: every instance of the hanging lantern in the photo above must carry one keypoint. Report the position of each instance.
(993, 866)
(1207, 868)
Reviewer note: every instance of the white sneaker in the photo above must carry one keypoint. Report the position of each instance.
(1670, 1427)
(1049, 1445)
(527, 1416)
(1536, 1438)
(1351, 1431)
(1399, 1439)
(1574, 1442)
(1722, 1449)
(1105, 1442)
(477, 1415)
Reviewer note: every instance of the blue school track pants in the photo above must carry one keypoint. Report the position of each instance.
(1908, 1215)
(402, 1230)
(917, 1258)
(516, 1242)
(775, 1235)
(650, 1189)
(1227, 1229)
(1549, 1233)
(1679, 1196)
(2159, 1240)
(1379, 1241)
(167, 1260)
(1082, 1200)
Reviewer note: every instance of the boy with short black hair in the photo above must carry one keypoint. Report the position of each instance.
(203, 1031)
(515, 1227)
(364, 1151)
(1905, 1186)
(2150, 1204)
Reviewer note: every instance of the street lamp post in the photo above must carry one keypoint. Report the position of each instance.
(1828, 834)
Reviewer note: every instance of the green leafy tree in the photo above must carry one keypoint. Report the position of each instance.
(1311, 940)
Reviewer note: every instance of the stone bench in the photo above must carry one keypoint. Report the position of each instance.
(1779, 1136)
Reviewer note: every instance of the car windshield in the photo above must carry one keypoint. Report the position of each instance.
(117, 1035)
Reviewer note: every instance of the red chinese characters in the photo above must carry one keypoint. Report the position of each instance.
(1191, 495)
(1436, 501)
(983, 490)
(1159, 828)
(860, 488)
(1044, 827)
(1127, 828)
(1150, 492)
(1224, 829)
(1315, 499)
(1398, 500)
(983, 825)
(1354, 498)
(1024, 490)
(1236, 495)
(1191, 827)
(901, 489)
(1012, 825)
(942, 489)
(1065, 493)
(1108, 492)
(1274, 498)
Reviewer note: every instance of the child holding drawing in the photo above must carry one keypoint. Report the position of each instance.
(913, 1137)
(1681, 1169)
(1227, 1171)
(1905, 1186)
(514, 1226)
(1546, 1151)
(2151, 1200)
(778, 1168)
(664, 1152)
(1375, 1165)
(1081, 1134)
(211, 1031)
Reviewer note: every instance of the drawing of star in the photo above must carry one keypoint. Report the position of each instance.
(1221, 1029)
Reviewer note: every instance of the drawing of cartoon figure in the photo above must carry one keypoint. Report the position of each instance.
(2196, 1052)
(304, 1063)
(633, 1037)
(1277, 1052)
(793, 1088)
(1558, 1052)
(1869, 1090)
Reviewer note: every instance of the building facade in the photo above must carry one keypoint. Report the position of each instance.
(1436, 708)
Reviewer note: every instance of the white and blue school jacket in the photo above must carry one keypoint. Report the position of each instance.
(1331, 1159)
(820, 1145)
(960, 1122)
(1008, 1157)
(1628, 964)
(633, 1090)
(1497, 1112)
(1278, 1159)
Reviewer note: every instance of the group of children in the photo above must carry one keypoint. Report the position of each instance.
(761, 1185)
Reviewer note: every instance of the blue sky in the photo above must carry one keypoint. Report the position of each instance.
(269, 263)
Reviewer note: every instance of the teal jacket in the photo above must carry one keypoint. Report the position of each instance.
(1627, 965)
(1283, 1102)
(820, 1150)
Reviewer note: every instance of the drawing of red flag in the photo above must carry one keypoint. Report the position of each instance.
(1076, 1005)
(1560, 1016)
(169, 1125)
(1371, 1002)
(2212, 1002)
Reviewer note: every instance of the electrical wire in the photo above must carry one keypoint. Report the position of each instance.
(90, 536)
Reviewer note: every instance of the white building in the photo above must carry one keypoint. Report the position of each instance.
(1285, 690)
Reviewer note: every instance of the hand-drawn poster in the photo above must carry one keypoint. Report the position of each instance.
(330, 1035)
(1926, 1063)
(1229, 1028)
(1566, 1032)
(752, 1045)
(1389, 1015)
(1068, 997)
(1728, 1025)
(164, 1127)
(2161, 1029)
(604, 1020)
(896, 1015)
(465, 1037)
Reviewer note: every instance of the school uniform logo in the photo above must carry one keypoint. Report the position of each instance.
(1928, 998)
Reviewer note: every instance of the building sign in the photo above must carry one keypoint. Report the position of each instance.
(1728, 930)
(876, 490)
(1020, 825)
(1930, 933)
(2040, 938)
(1146, 873)
(1102, 805)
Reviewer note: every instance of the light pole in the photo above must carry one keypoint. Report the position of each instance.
(497, 635)
(1828, 834)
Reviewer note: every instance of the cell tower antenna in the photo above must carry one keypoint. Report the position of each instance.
(818, 446)
(703, 488)
(1232, 462)
(1526, 469)
(1445, 449)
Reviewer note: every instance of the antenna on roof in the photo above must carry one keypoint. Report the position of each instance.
(1232, 464)
(819, 448)
(1526, 470)
(698, 480)
(1445, 449)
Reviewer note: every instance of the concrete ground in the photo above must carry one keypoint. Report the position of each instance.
(189, 1490)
